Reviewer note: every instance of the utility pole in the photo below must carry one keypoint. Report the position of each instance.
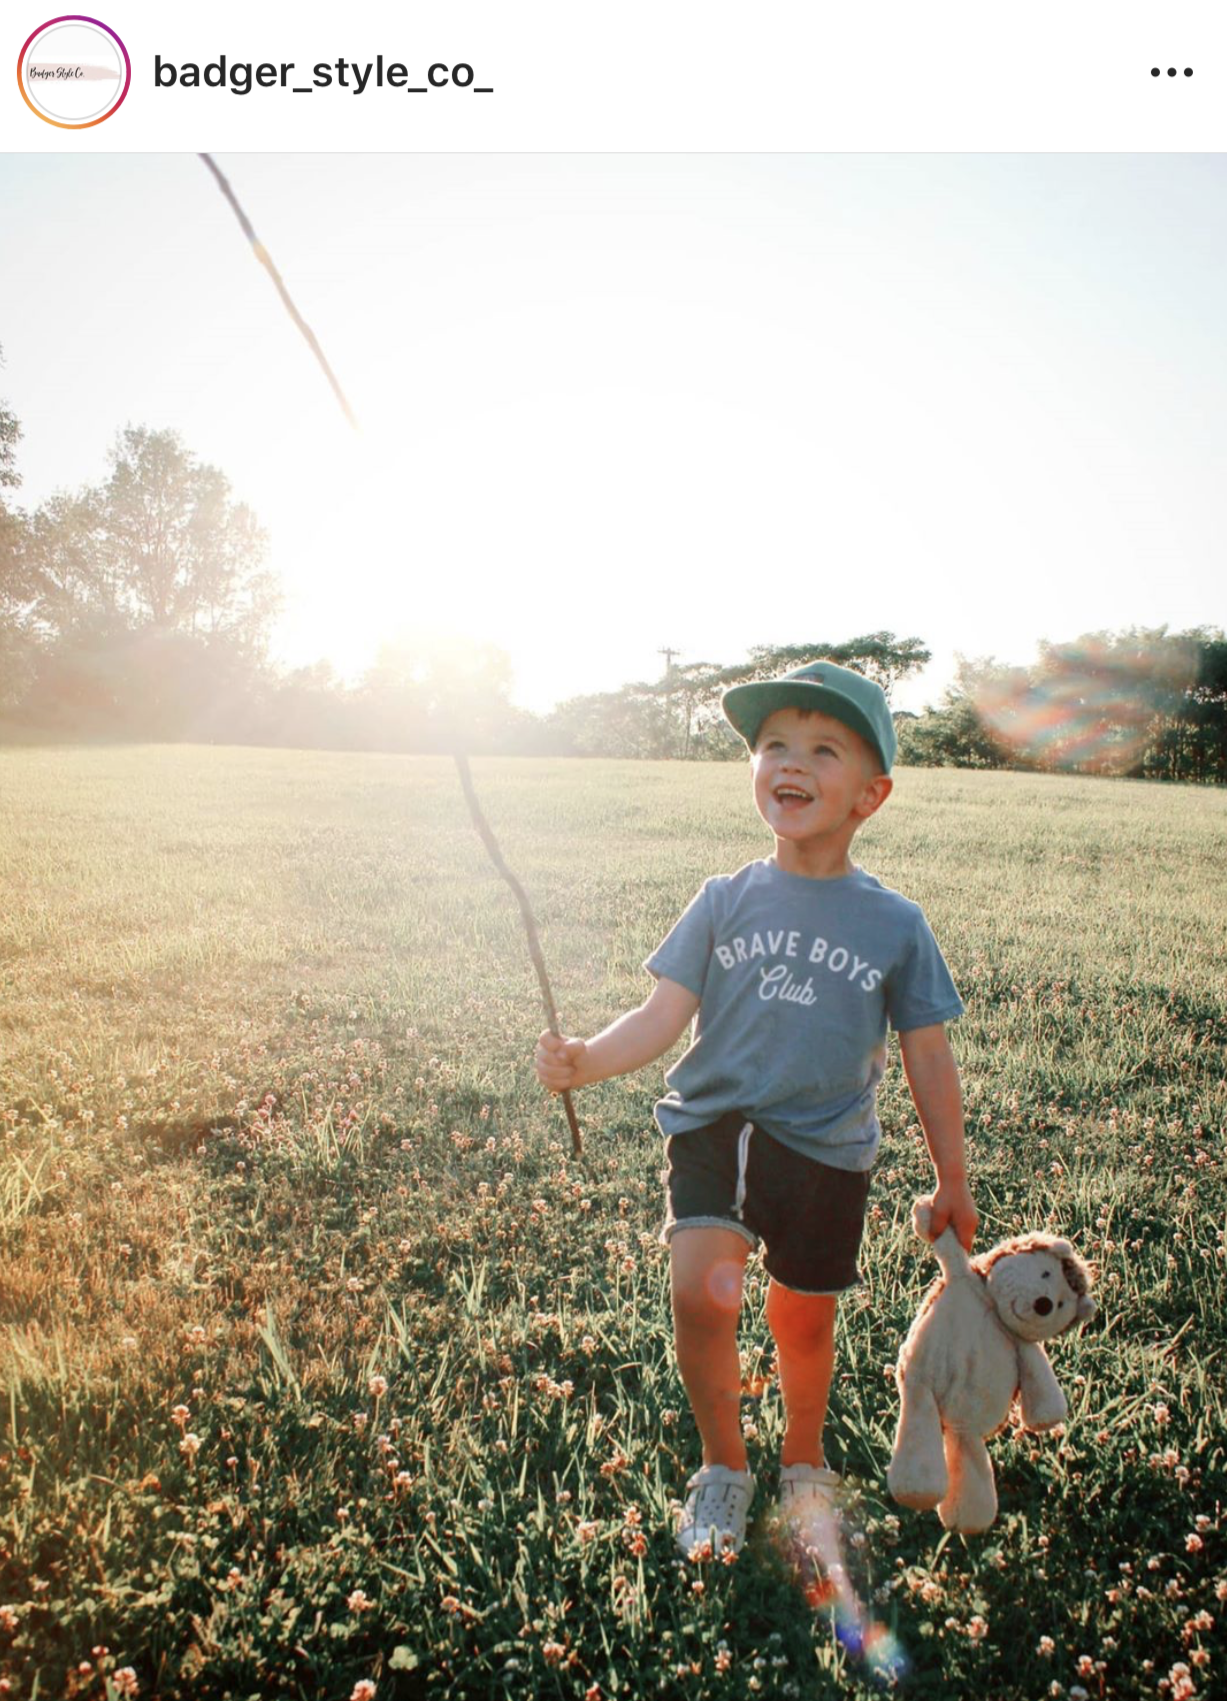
(669, 655)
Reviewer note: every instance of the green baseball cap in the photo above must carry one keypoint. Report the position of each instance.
(840, 692)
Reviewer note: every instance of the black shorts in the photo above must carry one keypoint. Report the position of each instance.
(808, 1215)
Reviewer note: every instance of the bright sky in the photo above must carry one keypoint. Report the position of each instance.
(613, 403)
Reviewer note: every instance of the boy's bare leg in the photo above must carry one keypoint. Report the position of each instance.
(706, 1268)
(804, 1329)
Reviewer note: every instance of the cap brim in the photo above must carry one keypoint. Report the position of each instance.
(747, 707)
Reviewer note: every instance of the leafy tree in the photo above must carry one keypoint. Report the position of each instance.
(309, 708)
(13, 658)
(632, 722)
(159, 546)
(1190, 743)
(10, 436)
(690, 694)
(66, 589)
(1144, 702)
(950, 736)
(1092, 704)
(879, 655)
(180, 554)
(142, 605)
(692, 691)
(438, 694)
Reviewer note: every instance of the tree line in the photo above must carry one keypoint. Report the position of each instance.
(142, 608)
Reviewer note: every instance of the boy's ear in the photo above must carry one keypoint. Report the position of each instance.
(874, 795)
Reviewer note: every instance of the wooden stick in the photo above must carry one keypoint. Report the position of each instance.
(462, 763)
(530, 927)
(266, 260)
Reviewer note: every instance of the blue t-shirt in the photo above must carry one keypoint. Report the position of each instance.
(798, 980)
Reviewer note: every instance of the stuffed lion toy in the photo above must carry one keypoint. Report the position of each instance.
(975, 1346)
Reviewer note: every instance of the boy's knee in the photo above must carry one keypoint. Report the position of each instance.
(799, 1321)
(709, 1295)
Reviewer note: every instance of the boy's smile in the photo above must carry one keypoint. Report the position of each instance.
(814, 784)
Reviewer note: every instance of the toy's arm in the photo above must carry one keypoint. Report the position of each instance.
(947, 1248)
(950, 1255)
(1039, 1393)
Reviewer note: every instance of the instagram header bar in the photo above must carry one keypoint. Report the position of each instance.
(667, 75)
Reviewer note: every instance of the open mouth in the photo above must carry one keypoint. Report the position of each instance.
(792, 794)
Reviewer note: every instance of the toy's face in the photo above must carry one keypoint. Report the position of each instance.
(1032, 1297)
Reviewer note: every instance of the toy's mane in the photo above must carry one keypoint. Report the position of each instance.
(1074, 1270)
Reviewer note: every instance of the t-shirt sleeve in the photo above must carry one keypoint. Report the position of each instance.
(685, 952)
(921, 992)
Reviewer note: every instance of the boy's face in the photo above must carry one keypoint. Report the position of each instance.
(815, 780)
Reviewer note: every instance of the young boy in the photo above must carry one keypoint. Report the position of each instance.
(791, 970)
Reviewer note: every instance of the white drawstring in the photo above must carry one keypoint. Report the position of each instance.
(743, 1157)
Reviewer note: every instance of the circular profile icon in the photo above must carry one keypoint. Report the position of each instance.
(73, 72)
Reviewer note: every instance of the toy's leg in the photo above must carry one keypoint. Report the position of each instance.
(1040, 1397)
(971, 1504)
(917, 1476)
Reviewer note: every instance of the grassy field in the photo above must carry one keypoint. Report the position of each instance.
(326, 1365)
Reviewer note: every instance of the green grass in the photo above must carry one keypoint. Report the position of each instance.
(272, 1140)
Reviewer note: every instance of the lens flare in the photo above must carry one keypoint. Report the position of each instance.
(1092, 705)
(724, 1284)
(813, 1545)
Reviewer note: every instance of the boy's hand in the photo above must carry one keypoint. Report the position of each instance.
(954, 1207)
(559, 1062)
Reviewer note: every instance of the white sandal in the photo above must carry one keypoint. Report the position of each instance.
(809, 1511)
(716, 1510)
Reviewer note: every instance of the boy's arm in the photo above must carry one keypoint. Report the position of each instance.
(933, 1077)
(637, 1038)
